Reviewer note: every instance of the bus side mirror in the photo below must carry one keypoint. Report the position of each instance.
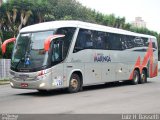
(3, 46)
(48, 41)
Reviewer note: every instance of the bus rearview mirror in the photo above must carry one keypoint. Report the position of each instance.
(48, 41)
(4, 45)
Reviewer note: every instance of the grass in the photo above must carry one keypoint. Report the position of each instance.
(4, 82)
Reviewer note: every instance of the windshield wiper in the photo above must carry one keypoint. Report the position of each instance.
(22, 59)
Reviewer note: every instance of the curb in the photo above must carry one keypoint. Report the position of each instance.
(4, 82)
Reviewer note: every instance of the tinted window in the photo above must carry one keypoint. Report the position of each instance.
(84, 40)
(65, 41)
(115, 42)
(127, 42)
(89, 39)
(140, 42)
(99, 39)
(29, 51)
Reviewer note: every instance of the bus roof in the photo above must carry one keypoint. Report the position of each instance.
(68, 23)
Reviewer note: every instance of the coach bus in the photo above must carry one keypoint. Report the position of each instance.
(73, 54)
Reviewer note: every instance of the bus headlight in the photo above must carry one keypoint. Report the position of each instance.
(42, 85)
(11, 84)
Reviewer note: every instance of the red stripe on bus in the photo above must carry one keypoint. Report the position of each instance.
(135, 66)
(147, 58)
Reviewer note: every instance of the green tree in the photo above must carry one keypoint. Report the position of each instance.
(105, 20)
(112, 20)
(40, 12)
(16, 14)
(127, 26)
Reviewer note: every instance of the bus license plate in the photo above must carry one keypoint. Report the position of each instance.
(24, 85)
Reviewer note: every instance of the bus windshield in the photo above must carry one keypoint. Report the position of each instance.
(29, 54)
(29, 51)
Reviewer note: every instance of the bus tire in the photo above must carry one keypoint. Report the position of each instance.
(136, 77)
(74, 83)
(143, 78)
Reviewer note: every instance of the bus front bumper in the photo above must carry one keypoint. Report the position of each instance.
(43, 82)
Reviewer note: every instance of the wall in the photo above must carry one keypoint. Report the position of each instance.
(4, 68)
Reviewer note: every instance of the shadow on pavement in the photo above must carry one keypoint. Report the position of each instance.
(86, 88)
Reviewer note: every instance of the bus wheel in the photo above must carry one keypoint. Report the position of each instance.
(136, 77)
(74, 84)
(143, 77)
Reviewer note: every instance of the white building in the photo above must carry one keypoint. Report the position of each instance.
(139, 23)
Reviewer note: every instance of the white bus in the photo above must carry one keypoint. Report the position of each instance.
(73, 54)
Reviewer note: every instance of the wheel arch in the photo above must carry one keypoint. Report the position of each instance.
(146, 70)
(79, 73)
(138, 69)
(135, 80)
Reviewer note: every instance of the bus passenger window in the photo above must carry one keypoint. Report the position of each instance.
(88, 40)
(80, 42)
(99, 40)
(56, 51)
(83, 40)
(154, 45)
(66, 41)
(115, 42)
(106, 45)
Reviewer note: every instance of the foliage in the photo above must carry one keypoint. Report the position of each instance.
(16, 14)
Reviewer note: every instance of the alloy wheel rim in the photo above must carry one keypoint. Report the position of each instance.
(74, 83)
(136, 78)
(143, 77)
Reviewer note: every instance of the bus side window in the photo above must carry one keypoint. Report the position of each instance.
(126, 42)
(106, 44)
(55, 53)
(69, 33)
(154, 45)
(88, 42)
(83, 40)
(99, 40)
(79, 42)
(115, 42)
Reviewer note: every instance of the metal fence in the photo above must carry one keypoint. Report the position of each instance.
(4, 68)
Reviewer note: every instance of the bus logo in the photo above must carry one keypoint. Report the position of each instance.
(101, 58)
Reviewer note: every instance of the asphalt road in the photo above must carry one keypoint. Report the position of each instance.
(110, 98)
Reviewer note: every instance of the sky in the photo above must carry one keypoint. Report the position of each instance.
(149, 10)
